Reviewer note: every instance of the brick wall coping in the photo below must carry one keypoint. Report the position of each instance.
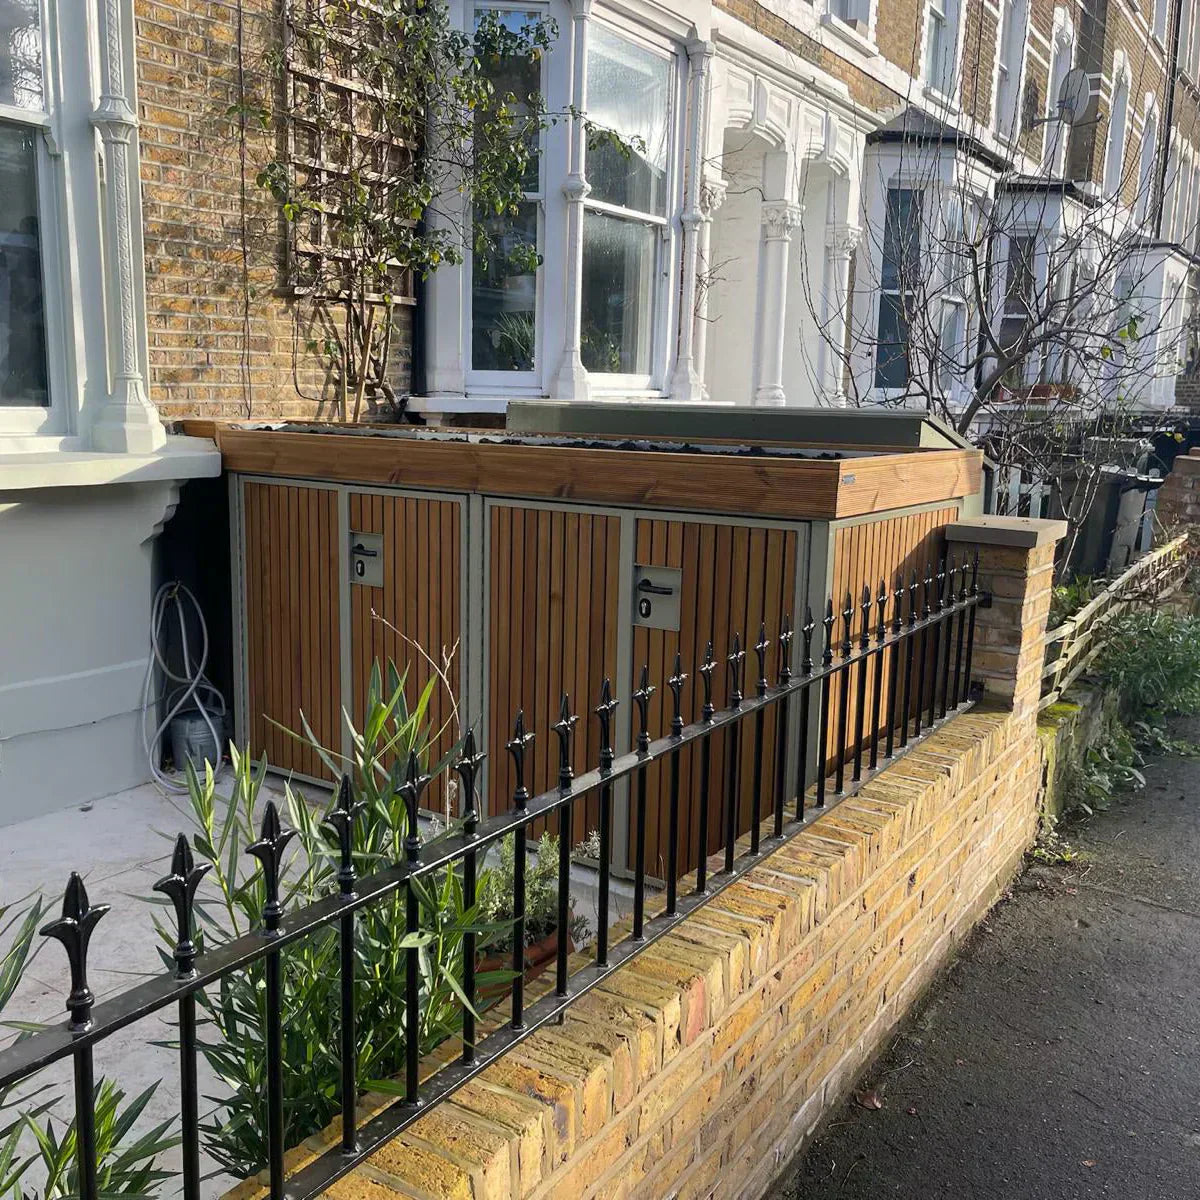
(1022, 532)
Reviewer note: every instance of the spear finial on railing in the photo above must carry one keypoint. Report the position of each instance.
(74, 929)
(180, 888)
(963, 580)
(881, 600)
(847, 626)
(806, 632)
(273, 838)
(912, 598)
(642, 699)
(760, 648)
(707, 667)
(340, 819)
(467, 767)
(864, 636)
(898, 603)
(605, 710)
(735, 659)
(415, 783)
(940, 579)
(675, 683)
(926, 607)
(516, 747)
(564, 727)
(975, 573)
(828, 622)
(785, 651)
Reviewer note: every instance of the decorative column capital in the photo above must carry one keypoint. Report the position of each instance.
(700, 55)
(779, 218)
(842, 240)
(712, 196)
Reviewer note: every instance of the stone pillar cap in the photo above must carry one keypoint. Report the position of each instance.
(1022, 532)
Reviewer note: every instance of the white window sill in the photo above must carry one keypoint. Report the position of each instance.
(35, 469)
(850, 35)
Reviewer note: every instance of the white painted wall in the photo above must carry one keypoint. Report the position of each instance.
(75, 595)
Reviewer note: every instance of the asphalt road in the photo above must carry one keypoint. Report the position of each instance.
(1059, 1057)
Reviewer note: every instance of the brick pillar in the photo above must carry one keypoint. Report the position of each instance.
(1016, 565)
(1179, 497)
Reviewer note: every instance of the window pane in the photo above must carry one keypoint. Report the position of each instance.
(628, 90)
(618, 293)
(891, 352)
(20, 54)
(504, 296)
(22, 320)
(517, 80)
(901, 239)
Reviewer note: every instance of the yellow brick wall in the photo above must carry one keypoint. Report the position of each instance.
(698, 1069)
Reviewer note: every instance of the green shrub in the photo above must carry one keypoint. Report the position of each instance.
(1153, 658)
(1068, 598)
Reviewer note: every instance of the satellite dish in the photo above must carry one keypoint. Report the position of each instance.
(1078, 95)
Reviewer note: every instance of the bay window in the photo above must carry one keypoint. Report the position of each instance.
(1017, 313)
(628, 209)
(898, 275)
(24, 117)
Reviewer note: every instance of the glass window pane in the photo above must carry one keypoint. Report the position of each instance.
(618, 294)
(22, 319)
(21, 54)
(901, 239)
(504, 296)
(628, 91)
(517, 80)
(891, 351)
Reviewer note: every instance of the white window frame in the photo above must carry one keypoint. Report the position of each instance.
(667, 265)
(54, 418)
(1010, 44)
(1115, 146)
(1147, 157)
(527, 383)
(1159, 21)
(1063, 46)
(949, 15)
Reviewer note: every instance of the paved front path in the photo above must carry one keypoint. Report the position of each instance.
(1059, 1059)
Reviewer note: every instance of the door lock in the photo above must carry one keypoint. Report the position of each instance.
(656, 596)
(366, 559)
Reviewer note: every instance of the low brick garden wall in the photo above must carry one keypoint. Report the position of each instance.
(701, 1066)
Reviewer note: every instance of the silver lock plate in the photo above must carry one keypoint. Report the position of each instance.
(366, 559)
(656, 596)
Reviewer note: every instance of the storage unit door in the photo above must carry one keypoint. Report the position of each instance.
(291, 622)
(406, 586)
(553, 594)
(732, 578)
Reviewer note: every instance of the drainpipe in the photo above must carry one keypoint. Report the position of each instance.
(1168, 119)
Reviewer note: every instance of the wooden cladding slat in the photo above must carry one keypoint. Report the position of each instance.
(292, 622)
(553, 603)
(869, 554)
(734, 578)
(748, 485)
(413, 620)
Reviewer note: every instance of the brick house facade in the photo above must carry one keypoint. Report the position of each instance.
(227, 341)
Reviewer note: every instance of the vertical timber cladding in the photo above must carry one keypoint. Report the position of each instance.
(554, 579)
(292, 621)
(734, 578)
(415, 619)
(868, 553)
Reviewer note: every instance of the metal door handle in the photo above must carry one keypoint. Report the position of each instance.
(361, 549)
(653, 588)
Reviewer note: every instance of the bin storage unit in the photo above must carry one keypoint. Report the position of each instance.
(519, 560)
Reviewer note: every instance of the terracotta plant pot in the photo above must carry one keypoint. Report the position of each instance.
(538, 956)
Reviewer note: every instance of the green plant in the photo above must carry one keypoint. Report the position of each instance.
(541, 897)
(1153, 658)
(1110, 766)
(233, 1011)
(37, 1154)
(1068, 598)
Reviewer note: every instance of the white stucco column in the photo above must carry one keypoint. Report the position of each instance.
(840, 243)
(712, 193)
(127, 421)
(686, 381)
(571, 380)
(779, 218)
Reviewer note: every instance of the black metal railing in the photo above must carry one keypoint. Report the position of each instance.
(925, 650)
